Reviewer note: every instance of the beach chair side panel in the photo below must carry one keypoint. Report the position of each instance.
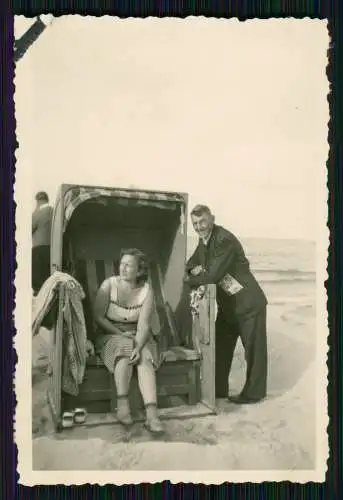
(204, 343)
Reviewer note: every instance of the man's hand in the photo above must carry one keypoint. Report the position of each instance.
(90, 351)
(196, 270)
(135, 356)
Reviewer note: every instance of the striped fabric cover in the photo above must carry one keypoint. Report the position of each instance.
(78, 195)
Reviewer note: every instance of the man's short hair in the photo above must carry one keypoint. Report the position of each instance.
(200, 210)
(42, 196)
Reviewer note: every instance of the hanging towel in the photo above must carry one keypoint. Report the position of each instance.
(74, 338)
(46, 297)
(74, 327)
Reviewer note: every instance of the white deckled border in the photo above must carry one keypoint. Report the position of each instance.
(22, 342)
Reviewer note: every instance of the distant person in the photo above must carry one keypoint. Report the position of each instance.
(219, 259)
(41, 234)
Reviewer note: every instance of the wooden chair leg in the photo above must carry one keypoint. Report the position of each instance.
(192, 383)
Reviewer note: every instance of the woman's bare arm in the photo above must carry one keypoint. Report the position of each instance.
(101, 304)
(143, 327)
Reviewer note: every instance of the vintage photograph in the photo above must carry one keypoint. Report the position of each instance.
(171, 247)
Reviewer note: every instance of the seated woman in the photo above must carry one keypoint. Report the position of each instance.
(123, 310)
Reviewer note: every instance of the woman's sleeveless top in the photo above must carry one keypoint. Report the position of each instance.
(118, 312)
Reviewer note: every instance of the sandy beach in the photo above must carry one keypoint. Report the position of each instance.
(277, 434)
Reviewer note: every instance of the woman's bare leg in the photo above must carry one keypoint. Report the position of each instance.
(147, 378)
(147, 386)
(122, 378)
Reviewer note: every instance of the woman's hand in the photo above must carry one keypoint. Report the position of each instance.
(135, 356)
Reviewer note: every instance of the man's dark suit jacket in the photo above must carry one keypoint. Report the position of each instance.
(224, 254)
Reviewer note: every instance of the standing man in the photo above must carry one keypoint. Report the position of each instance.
(219, 259)
(41, 234)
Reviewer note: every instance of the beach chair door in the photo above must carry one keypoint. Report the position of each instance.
(204, 342)
(55, 365)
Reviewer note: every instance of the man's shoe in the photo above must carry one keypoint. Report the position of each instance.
(242, 400)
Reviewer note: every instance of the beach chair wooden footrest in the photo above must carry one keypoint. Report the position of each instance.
(177, 384)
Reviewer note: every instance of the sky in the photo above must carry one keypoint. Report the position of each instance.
(235, 114)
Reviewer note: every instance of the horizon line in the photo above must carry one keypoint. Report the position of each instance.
(275, 238)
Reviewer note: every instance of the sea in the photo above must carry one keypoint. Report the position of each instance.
(285, 269)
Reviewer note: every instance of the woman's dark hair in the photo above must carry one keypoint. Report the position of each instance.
(142, 260)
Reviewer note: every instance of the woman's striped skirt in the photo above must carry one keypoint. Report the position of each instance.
(111, 347)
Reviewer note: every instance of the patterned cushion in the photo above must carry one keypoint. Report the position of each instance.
(180, 353)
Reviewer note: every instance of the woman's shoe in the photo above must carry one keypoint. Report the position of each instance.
(124, 419)
(153, 423)
(123, 413)
(154, 426)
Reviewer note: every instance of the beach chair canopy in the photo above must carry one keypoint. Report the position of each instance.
(76, 195)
